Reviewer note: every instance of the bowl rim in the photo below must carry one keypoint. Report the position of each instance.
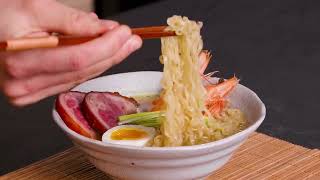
(247, 131)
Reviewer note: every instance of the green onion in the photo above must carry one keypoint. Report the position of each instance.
(140, 115)
(206, 121)
(149, 119)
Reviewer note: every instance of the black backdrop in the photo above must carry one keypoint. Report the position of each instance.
(106, 8)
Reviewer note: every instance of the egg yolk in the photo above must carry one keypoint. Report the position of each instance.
(128, 134)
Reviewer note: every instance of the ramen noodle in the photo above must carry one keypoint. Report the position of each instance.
(183, 92)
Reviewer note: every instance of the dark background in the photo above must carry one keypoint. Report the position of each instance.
(272, 45)
(111, 7)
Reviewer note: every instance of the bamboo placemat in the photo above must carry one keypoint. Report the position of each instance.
(260, 157)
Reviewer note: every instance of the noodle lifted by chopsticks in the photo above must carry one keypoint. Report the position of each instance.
(183, 92)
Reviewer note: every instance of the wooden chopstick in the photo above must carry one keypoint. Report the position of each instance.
(3, 45)
(54, 41)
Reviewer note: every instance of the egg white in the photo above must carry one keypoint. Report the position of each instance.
(151, 132)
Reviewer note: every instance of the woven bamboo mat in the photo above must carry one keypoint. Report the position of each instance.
(260, 157)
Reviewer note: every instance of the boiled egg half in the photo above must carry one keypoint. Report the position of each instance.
(131, 135)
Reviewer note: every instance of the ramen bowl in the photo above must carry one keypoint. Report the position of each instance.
(139, 163)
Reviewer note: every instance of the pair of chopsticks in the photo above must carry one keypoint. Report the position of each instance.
(55, 41)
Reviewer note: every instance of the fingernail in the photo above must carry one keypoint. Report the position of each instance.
(135, 43)
(93, 15)
(108, 24)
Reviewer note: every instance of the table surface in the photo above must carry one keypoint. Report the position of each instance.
(273, 46)
(260, 157)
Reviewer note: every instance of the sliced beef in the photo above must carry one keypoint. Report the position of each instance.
(102, 109)
(68, 106)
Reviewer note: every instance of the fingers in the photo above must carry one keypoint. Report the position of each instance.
(66, 59)
(29, 76)
(64, 19)
(35, 97)
(28, 91)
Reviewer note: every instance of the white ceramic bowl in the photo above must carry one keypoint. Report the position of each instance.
(188, 162)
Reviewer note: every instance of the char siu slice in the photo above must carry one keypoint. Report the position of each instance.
(102, 109)
(68, 106)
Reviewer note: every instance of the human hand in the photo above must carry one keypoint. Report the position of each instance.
(29, 76)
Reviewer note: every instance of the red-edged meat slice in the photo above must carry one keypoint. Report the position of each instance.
(68, 106)
(102, 109)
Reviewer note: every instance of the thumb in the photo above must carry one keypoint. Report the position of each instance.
(66, 20)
